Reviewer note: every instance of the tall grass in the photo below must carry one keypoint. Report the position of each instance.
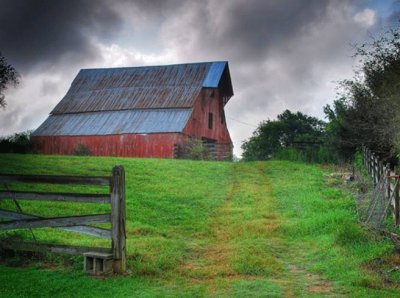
(322, 155)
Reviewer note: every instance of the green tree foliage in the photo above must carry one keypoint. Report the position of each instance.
(366, 112)
(17, 143)
(8, 76)
(290, 130)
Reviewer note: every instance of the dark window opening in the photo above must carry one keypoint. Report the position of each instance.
(222, 117)
(210, 120)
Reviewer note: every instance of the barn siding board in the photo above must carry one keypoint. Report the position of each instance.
(210, 101)
(197, 125)
(124, 145)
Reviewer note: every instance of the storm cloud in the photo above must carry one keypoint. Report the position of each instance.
(41, 32)
(283, 54)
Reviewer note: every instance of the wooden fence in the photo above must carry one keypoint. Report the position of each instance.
(78, 224)
(378, 170)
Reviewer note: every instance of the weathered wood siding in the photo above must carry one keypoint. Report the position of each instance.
(210, 101)
(125, 145)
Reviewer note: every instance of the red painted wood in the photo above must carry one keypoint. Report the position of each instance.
(127, 145)
(210, 101)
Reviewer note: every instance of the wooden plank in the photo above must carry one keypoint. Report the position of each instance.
(387, 173)
(118, 219)
(87, 230)
(14, 215)
(83, 180)
(54, 196)
(397, 202)
(55, 248)
(55, 221)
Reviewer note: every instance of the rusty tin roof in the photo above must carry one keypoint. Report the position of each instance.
(148, 87)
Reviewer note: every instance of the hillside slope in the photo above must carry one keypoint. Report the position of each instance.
(264, 229)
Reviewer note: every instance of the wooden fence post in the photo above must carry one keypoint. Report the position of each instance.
(364, 151)
(373, 169)
(380, 170)
(387, 174)
(118, 219)
(396, 200)
(376, 169)
(396, 206)
(370, 163)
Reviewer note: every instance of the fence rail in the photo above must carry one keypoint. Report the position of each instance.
(77, 224)
(378, 170)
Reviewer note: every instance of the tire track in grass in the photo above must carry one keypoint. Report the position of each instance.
(242, 239)
(243, 255)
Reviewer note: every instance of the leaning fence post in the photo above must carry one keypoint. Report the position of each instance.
(379, 164)
(118, 219)
(396, 199)
(387, 174)
(373, 169)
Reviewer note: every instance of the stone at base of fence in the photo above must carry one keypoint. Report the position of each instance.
(96, 263)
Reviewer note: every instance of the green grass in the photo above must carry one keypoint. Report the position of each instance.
(201, 229)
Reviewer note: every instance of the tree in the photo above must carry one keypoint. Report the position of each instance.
(8, 76)
(294, 130)
(367, 111)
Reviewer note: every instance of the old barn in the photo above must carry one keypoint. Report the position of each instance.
(147, 111)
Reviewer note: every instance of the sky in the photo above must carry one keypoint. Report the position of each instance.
(283, 54)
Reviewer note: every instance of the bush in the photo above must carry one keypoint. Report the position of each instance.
(350, 234)
(82, 150)
(194, 149)
(17, 143)
(321, 154)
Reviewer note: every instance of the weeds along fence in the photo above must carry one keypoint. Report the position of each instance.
(386, 183)
(113, 258)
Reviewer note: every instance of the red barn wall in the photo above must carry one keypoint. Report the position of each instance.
(210, 101)
(126, 145)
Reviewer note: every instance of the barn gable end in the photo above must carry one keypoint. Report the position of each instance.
(139, 111)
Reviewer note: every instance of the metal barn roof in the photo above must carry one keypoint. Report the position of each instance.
(115, 122)
(149, 87)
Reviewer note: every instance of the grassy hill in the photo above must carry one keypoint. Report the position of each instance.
(262, 229)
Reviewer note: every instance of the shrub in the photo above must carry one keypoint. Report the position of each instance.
(350, 234)
(320, 154)
(17, 143)
(195, 149)
(82, 150)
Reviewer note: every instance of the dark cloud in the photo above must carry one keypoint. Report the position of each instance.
(394, 18)
(244, 30)
(33, 32)
(253, 27)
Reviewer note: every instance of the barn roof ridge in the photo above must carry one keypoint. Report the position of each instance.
(151, 66)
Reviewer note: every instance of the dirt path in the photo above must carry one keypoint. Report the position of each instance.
(243, 253)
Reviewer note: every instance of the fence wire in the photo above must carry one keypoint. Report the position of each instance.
(379, 203)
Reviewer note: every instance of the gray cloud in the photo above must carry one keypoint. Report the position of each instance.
(34, 32)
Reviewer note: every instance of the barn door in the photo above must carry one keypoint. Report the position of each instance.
(211, 146)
